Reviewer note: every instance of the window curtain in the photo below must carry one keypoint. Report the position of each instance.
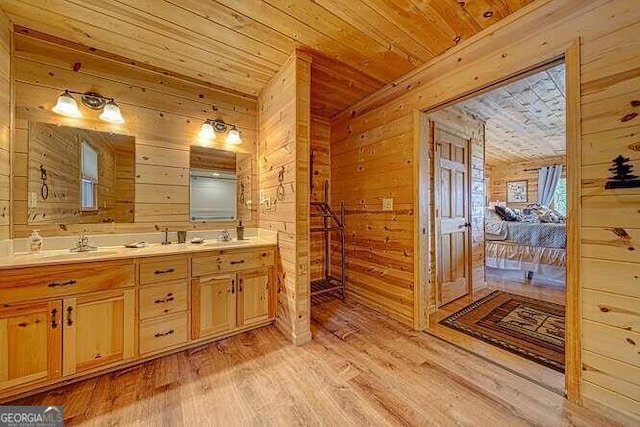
(548, 178)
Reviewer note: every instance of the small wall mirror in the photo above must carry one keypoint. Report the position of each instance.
(220, 185)
(79, 176)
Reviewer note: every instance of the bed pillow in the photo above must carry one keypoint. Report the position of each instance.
(506, 213)
(490, 214)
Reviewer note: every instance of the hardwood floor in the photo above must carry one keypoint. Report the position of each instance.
(508, 281)
(360, 369)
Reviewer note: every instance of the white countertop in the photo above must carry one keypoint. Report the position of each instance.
(53, 257)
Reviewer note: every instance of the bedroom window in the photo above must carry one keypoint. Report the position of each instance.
(560, 197)
(88, 178)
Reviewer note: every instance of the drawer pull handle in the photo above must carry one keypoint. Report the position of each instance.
(67, 283)
(54, 322)
(164, 334)
(163, 301)
(233, 286)
(237, 262)
(170, 270)
(69, 318)
(240, 285)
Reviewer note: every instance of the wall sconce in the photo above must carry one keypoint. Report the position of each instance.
(211, 127)
(68, 106)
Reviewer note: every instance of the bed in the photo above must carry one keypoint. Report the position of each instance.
(532, 247)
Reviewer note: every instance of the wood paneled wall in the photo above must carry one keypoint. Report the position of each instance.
(610, 223)
(499, 174)
(284, 129)
(5, 125)
(365, 168)
(163, 113)
(320, 149)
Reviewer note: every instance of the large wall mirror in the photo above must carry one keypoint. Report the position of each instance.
(220, 185)
(79, 176)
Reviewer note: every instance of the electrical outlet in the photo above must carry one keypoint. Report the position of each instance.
(387, 204)
(263, 196)
(33, 200)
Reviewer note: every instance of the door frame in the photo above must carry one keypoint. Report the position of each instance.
(570, 55)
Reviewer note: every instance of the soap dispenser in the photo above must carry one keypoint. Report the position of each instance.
(35, 241)
(240, 231)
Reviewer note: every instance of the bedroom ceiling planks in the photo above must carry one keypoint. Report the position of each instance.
(525, 120)
(240, 45)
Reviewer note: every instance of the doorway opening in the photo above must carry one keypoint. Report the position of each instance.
(498, 235)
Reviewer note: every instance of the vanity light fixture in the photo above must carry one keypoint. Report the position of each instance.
(207, 131)
(111, 113)
(211, 127)
(233, 138)
(68, 106)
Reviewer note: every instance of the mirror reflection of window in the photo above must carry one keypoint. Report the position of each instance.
(213, 195)
(89, 177)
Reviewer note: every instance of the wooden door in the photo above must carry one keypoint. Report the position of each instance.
(452, 213)
(98, 330)
(253, 296)
(214, 305)
(30, 343)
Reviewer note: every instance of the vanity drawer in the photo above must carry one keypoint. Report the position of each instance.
(31, 283)
(163, 269)
(164, 332)
(224, 261)
(160, 300)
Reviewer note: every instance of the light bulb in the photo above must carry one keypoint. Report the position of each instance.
(206, 131)
(111, 113)
(67, 106)
(234, 137)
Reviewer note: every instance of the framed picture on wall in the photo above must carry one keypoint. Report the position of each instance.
(517, 191)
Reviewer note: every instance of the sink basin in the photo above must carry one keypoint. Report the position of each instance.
(71, 255)
(229, 243)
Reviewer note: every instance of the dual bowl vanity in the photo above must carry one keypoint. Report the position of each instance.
(65, 316)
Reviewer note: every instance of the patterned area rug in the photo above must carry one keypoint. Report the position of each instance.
(526, 326)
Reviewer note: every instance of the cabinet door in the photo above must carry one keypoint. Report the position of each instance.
(214, 305)
(30, 343)
(98, 330)
(253, 296)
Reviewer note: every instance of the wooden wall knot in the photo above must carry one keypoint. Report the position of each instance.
(628, 117)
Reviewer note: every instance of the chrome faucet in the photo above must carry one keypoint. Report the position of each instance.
(83, 244)
(166, 240)
(224, 236)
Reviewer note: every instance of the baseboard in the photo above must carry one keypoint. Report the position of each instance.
(296, 339)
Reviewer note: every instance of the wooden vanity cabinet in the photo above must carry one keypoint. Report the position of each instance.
(30, 343)
(253, 296)
(214, 305)
(163, 303)
(68, 321)
(98, 330)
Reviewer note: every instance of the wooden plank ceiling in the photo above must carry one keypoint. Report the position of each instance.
(240, 44)
(525, 120)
